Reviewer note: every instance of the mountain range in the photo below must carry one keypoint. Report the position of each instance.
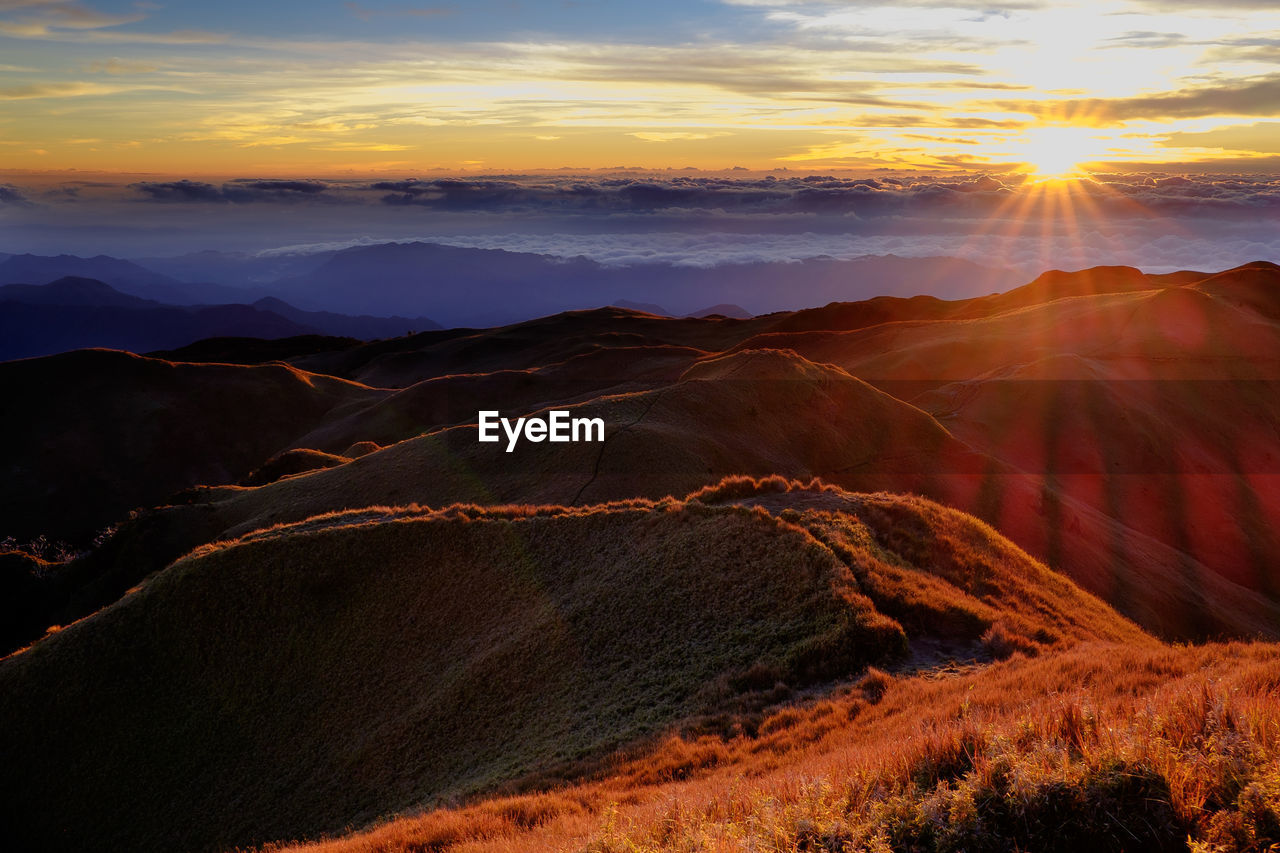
(484, 287)
(907, 572)
(75, 313)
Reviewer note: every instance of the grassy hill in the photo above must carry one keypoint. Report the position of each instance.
(325, 611)
(319, 675)
(97, 433)
(1114, 424)
(1098, 747)
(721, 418)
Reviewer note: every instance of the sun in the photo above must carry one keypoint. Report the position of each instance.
(1059, 151)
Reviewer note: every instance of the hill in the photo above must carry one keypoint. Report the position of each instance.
(76, 313)
(72, 290)
(505, 287)
(125, 276)
(674, 435)
(1067, 424)
(362, 326)
(323, 609)
(1084, 749)
(318, 675)
(123, 432)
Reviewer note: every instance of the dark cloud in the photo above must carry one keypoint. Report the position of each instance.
(829, 197)
(1255, 96)
(11, 195)
(307, 187)
(183, 190)
(239, 191)
(810, 195)
(1160, 218)
(1148, 38)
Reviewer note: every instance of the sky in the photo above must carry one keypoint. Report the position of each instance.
(1022, 133)
(321, 88)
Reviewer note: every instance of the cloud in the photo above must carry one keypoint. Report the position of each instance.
(67, 20)
(38, 19)
(1254, 96)
(839, 201)
(994, 7)
(54, 90)
(361, 146)
(1149, 219)
(672, 136)
(1199, 5)
(239, 191)
(122, 66)
(813, 195)
(12, 196)
(1261, 137)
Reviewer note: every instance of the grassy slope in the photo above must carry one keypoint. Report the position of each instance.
(1100, 747)
(319, 675)
(1196, 566)
(721, 419)
(96, 433)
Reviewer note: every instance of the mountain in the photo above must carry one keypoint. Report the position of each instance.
(904, 573)
(272, 683)
(363, 326)
(140, 430)
(72, 291)
(460, 286)
(75, 313)
(736, 312)
(246, 271)
(504, 287)
(420, 279)
(646, 307)
(124, 276)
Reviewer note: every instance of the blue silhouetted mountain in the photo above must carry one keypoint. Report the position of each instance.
(75, 313)
(72, 291)
(125, 276)
(235, 269)
(646, 307)
(724, 309)
(487, 287)
(360, 326)
(490, 287)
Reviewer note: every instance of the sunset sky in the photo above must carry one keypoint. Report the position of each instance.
(326, 88)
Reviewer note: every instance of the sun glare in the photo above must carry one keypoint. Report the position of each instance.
(1058, 152)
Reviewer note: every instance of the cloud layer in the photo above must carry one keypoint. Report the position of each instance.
(1154, 220)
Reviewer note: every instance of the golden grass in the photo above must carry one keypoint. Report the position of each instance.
(1100, 747)
(316, 675)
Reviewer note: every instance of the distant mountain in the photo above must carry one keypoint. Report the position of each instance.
(75, 313)
(479, 288)
(235, 269)
(124, 276)
(72, 290)
(362, 326)
(243, 350)
(646, 307)
(458, 286)
(33, 330)
(724, 310)
(488, 287)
